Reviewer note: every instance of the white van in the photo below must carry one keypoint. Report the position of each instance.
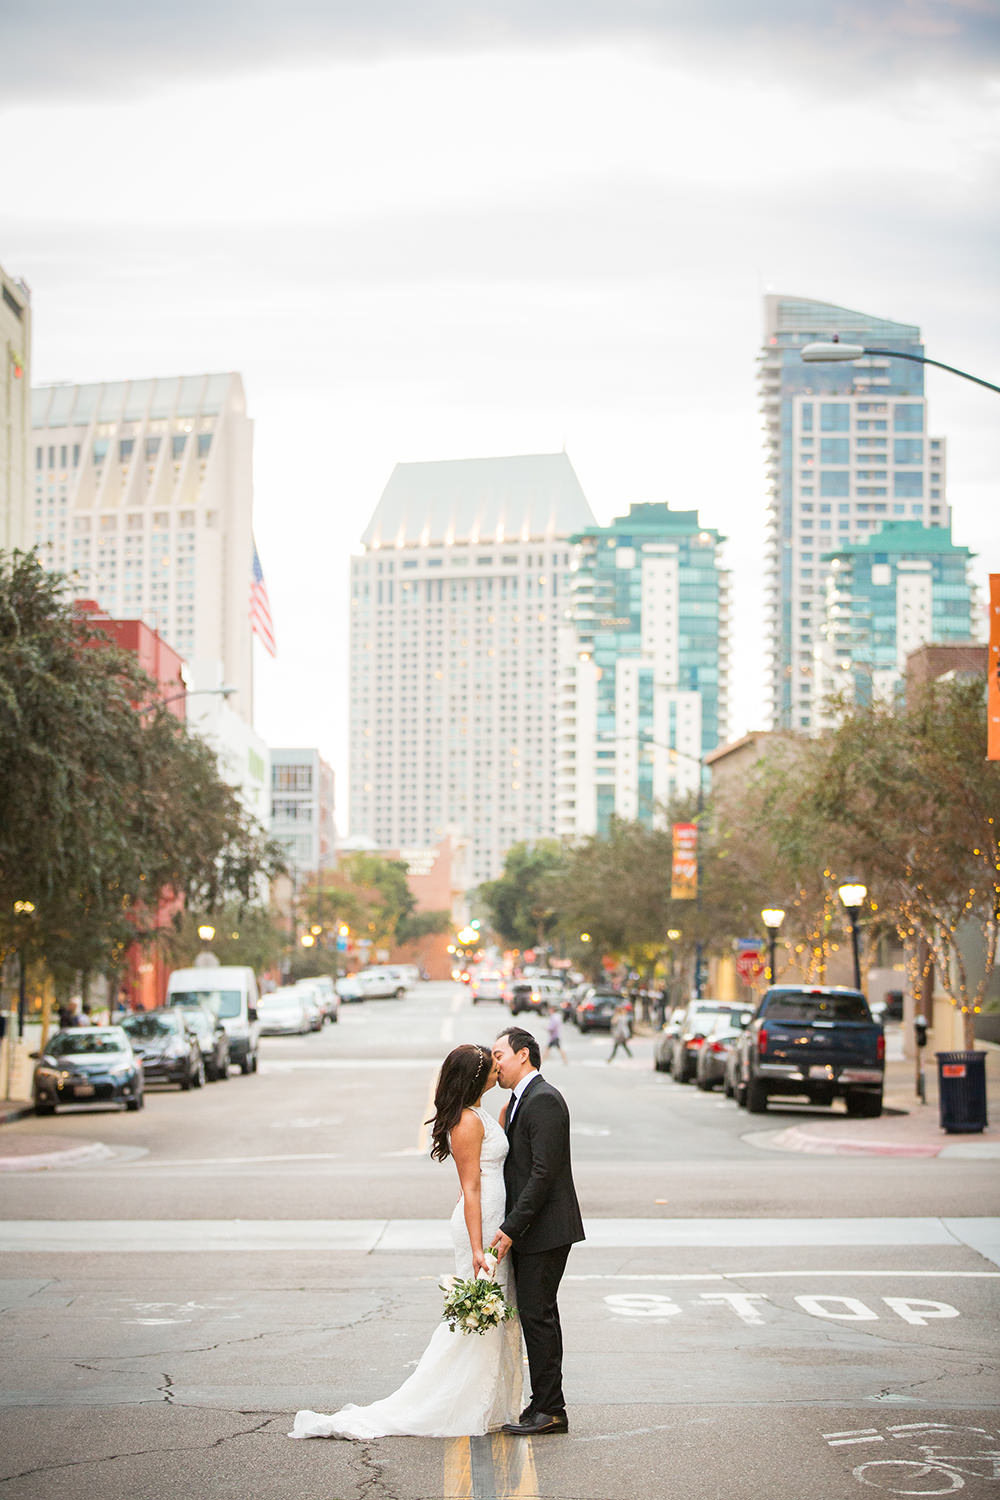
(230, 992)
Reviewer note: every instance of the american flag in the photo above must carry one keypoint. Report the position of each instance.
(261, 623)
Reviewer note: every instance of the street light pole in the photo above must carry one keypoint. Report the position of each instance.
(837, 353)
(852, 896)
(772, 916)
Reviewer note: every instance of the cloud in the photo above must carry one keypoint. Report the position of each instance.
(63, 48)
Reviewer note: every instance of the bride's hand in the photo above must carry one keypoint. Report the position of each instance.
(482, 1262)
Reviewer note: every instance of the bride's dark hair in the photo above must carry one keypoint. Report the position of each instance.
(460, 1082)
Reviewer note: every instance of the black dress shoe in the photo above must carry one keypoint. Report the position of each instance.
(539, 1424)
(529, 1411)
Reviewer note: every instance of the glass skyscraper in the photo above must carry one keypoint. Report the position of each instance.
(848, 450)
(644, 692)
(905, 586)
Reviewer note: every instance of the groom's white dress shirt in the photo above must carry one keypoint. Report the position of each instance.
(518, 1090)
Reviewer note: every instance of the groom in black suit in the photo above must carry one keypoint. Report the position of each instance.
(542, 1222)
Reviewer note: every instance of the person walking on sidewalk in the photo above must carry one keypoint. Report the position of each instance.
(554, 1025)
(621, 1030)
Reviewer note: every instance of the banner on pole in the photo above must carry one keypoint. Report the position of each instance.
(993, 673)
(684, 874)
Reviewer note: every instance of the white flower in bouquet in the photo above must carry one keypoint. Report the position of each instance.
(476, 1305)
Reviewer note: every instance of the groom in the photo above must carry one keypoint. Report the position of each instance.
(543, 1221)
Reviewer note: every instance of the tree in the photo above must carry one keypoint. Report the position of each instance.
(106, 801)
(521, 901)
(914, 805)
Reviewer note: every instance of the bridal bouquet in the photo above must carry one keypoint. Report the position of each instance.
(474, 1306)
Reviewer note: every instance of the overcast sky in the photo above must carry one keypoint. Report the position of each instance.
(457, 230)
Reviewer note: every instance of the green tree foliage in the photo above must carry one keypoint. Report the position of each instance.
(106, 802)
(522, 900)
(244, 934)
(913, 806)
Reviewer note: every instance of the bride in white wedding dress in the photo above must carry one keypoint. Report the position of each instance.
(465, 1384)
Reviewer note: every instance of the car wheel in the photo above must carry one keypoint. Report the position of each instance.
(245, 1064)
(864, 1106)
(756, 1097)
(44, 1109)
(682, 1076)
(728, 1089)
(199, 1074)
(186, 1082)
(705, 1084)
(133, 1104)
(659, 1066)
(740, 1095)
(401, 994)
(253, 1068)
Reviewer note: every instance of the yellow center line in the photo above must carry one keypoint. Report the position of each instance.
(493, 1467)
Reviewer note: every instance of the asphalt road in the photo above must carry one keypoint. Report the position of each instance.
(741, 1322)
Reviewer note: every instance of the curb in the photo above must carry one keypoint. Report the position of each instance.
(73, 1156)
(15, 1111)
(798, 1139)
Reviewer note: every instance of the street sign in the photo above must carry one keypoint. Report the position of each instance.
(749, 965)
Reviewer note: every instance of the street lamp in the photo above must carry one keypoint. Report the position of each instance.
(206, 932)
(835, 352)
(852, 896)
(773, 916)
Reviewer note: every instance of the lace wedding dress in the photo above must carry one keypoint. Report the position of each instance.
(465, 1384)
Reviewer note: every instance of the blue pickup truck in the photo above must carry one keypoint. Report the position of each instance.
(813, 1041)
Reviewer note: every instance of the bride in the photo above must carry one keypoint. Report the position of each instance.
(465, 1384)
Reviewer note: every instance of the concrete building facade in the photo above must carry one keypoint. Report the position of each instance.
(143, 490)
(644, 693)
(904, 587)
(456, 605)
(15, 411)
(302, 809)
(848, 449)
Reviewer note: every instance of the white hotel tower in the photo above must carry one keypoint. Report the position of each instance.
(144, 490)
(456, 605)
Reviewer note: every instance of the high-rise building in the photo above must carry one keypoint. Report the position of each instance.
(144, 490)
(15, 411)
(456, 604)
(848, 449)
(904, 587)
(302, 814)
(645, 683)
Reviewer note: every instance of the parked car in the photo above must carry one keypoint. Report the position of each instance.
(88, 1065)
(816, 1041)
(713, 1054)
(487, 986)
(693, 1026)
(313, 1003)
(212, 1039)
(168, 1046)
(285, 1012)
(230, 990)
(328, 996)
(349, 989)
(382, 983)
(594, 1011)
(663, 1050)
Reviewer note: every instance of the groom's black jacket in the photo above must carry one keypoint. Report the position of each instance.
(542, 1209)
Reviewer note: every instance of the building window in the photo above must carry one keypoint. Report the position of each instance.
(834, 416)
(908, 418)
(204, 444)
(178, 444)
(908, 486)
(835, 450)
(833, 482)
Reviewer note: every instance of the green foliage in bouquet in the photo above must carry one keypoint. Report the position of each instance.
(474, 1306)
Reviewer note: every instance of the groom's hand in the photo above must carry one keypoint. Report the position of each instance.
(501, 1244)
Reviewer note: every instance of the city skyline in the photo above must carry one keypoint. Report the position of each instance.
(528, 246)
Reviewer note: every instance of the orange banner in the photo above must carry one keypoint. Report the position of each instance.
(684, 875)
(993, 673)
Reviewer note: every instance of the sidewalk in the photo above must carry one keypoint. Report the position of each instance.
(906, 1128)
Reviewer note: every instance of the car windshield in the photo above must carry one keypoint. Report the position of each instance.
(146, 1028)
(810, 1008)
(281, 1002)
(73, 1043)
(223, 1003)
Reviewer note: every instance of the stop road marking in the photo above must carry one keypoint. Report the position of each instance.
(917, 1311)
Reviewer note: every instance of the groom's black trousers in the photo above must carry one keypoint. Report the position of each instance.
(536, 1281)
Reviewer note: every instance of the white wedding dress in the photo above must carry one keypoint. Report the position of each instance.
(465, 1384)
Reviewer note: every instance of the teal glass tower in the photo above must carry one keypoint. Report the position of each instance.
(646, 653)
